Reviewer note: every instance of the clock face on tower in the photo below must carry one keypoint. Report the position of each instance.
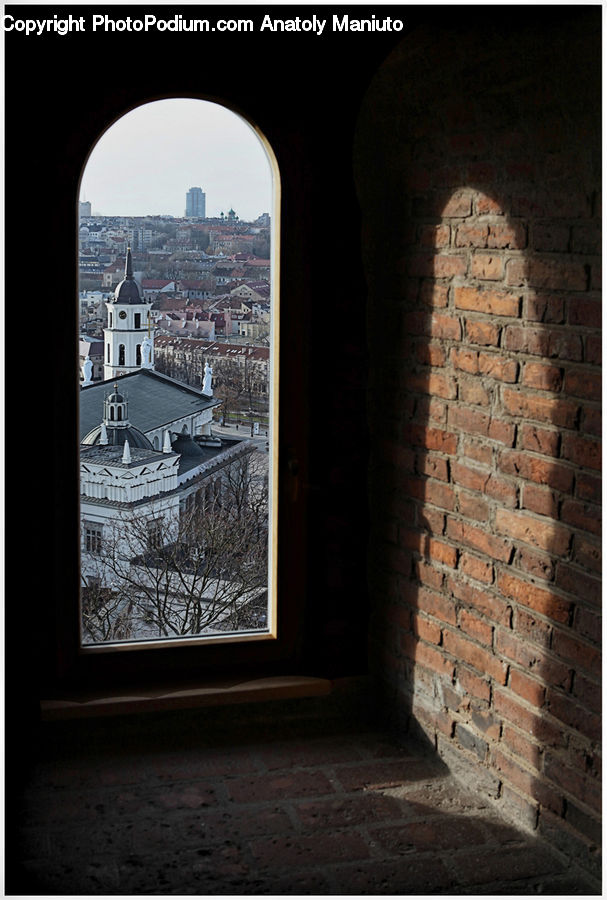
(122, 314)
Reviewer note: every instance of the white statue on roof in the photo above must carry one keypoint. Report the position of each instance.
(207, 383)
(87, 370)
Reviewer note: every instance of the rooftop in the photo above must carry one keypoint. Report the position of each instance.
(154, 400)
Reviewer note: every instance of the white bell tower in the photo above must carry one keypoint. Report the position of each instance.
(127, 339)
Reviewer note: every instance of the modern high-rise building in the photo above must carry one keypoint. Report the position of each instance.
(195, 203)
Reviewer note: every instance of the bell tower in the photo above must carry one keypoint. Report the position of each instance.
(127, 336)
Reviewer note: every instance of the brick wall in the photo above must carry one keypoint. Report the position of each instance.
(477, 162)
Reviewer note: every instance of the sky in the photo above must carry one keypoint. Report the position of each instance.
(145, 163)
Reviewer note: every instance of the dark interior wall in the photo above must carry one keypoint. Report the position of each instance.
(304, 93)
(478, 169)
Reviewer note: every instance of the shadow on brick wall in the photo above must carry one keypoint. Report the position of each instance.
(477, 161)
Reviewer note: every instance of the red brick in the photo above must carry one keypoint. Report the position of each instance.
(592, 421)
(547, 536)
(593, 350)
(477, 450)
(569, 647)
(588, 487)
(587, 554)
(473, 684)
(548, 308)
(459, 205)
(445, 327)
(498, 367)
(570, 712)
(554, 410)
(575, 782)
(520, 746)
(426, 630)
(540, 500)
(479, 539)
(473, 391)
(486, 602)
(527, 688)
(428, 574)
(431, 355)
(432, 383)
(556, 275)
(532, 722)
(582, 451)
(437, 605)
(585, 311)
(477, 422)
(540, 440)
(496, 303)
(431, 438)
(512, 236)
(547, 342)
(479, 658)
(464, 359)
(487, 266)
(481, 331)
(432, 465)
(530, 595)
(473, 235)
(533, 468)
(588, 692)
(486, 205)
(536, 563)
(583, 383)
(434, 236)
(476, 628)
(472, 507)
(449, 266)
(542, 377)
(475, 567)
(438, 494)
(473, 479)
(588, 623)
(529, 627)
(582, 515)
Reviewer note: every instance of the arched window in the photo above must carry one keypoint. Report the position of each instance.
(236, 171)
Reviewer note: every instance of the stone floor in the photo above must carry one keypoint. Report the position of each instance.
(210, 803)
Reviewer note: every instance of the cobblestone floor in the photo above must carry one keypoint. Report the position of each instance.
(190, 806)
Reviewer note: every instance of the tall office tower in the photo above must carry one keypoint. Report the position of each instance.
(195, 203)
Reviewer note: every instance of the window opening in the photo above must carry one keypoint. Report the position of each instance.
(177, 445)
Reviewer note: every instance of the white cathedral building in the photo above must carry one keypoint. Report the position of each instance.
(146, 441)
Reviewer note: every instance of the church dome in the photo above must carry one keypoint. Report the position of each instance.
(127, 291)
(117, 435)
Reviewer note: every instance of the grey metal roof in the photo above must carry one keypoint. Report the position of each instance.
(154, 400)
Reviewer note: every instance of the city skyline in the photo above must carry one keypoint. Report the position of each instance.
(146, 161)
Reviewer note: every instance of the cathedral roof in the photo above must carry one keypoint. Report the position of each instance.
(155, 401)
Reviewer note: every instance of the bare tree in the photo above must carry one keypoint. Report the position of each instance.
(170, 576)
